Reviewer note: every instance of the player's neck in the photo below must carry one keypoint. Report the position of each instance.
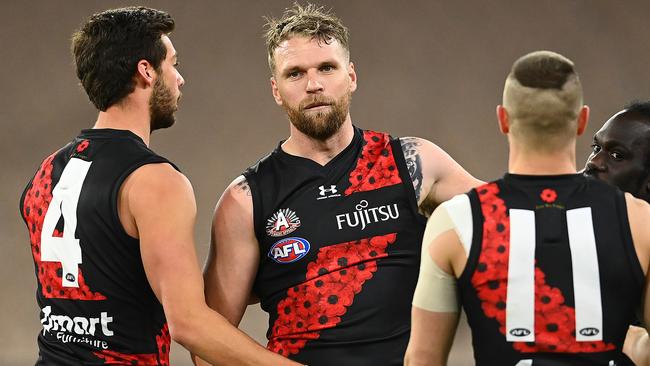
(127, 115)
(320, 151)
(535, 163)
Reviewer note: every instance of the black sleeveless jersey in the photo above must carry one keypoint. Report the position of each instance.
(96, 304)
(552, 277)
(339, 252)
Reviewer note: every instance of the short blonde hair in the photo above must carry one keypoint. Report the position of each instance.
(543, 97)
(308, 21)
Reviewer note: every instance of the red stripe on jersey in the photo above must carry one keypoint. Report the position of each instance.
(554, 321)
(117, 358)
(145, 359)
(332, 281)
(164, 343)
(37, 200)
(376, 166)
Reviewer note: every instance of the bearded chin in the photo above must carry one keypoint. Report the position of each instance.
(323, 125)
(162, 106)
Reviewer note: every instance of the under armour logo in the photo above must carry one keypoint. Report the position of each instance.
(327, 192)
(330, 190)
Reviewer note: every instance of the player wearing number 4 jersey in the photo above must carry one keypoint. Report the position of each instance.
(550, 265)
(111, 222)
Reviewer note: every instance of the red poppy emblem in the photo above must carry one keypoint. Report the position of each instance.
(82, 146)
(548, 195)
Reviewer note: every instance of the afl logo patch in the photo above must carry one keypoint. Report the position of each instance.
(589, 332)
(519, 332)
(282, 223)
(289, 250)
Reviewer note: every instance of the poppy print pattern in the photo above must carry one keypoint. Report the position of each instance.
(332, 281)
(554, 320)
(376, 166)
(37, 200)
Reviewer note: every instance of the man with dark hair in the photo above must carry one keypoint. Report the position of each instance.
(111, 222)
(549, 265)
(621, 151)
(621, 156)
(325, 231)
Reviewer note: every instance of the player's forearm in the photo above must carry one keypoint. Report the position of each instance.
(637, 346)
(422, 358)
(210, 336)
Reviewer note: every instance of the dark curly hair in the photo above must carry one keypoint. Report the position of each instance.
(109, 46)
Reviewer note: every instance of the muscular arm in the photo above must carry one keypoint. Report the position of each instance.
(435, 175)
(637, 342)
(160, 203)
(435, 310)
(234, 253)
(432, 334)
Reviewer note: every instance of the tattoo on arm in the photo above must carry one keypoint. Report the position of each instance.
(244, 187)
(413, 163)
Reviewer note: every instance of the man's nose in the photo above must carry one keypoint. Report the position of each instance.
(597, 162)
(314, 84)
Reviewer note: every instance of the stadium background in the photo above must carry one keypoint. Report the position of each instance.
(433, 69)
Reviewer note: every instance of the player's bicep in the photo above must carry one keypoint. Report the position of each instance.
(234, 254)
(162, 204)
(451, 177)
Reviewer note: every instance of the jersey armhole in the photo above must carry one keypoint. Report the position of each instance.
(400, 161)
(628, 242)
(477, 237)
(257, 205)
(21, 203)
(118, 184)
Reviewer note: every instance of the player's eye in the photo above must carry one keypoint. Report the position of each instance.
(293, 74)
(595, 148)
(617, 156)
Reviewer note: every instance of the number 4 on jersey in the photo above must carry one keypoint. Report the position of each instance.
(65, 197)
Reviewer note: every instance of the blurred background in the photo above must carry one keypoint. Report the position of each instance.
(433, 69)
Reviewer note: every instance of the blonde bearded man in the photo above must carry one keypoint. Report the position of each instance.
(325, 231)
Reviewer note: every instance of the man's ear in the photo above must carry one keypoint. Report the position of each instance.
(145, 72)
(353, 77)
(276, 91)
(583, 119)
(503, 119)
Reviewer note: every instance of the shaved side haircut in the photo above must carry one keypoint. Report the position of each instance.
(543, 97)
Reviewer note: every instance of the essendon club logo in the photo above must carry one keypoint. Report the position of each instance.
(289, 250)
(282, 223)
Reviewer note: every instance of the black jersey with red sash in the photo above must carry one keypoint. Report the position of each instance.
(96, 304)
(552, 277)
(339, 248)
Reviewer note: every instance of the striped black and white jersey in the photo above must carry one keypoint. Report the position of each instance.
(552, 277)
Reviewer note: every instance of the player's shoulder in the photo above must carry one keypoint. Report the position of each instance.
(261, 166)
(160, 178)
(237, 194)
(458, 210)
(459, 201)
(239, 186)
(414, 141)
(637, 207)
(423, 147)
